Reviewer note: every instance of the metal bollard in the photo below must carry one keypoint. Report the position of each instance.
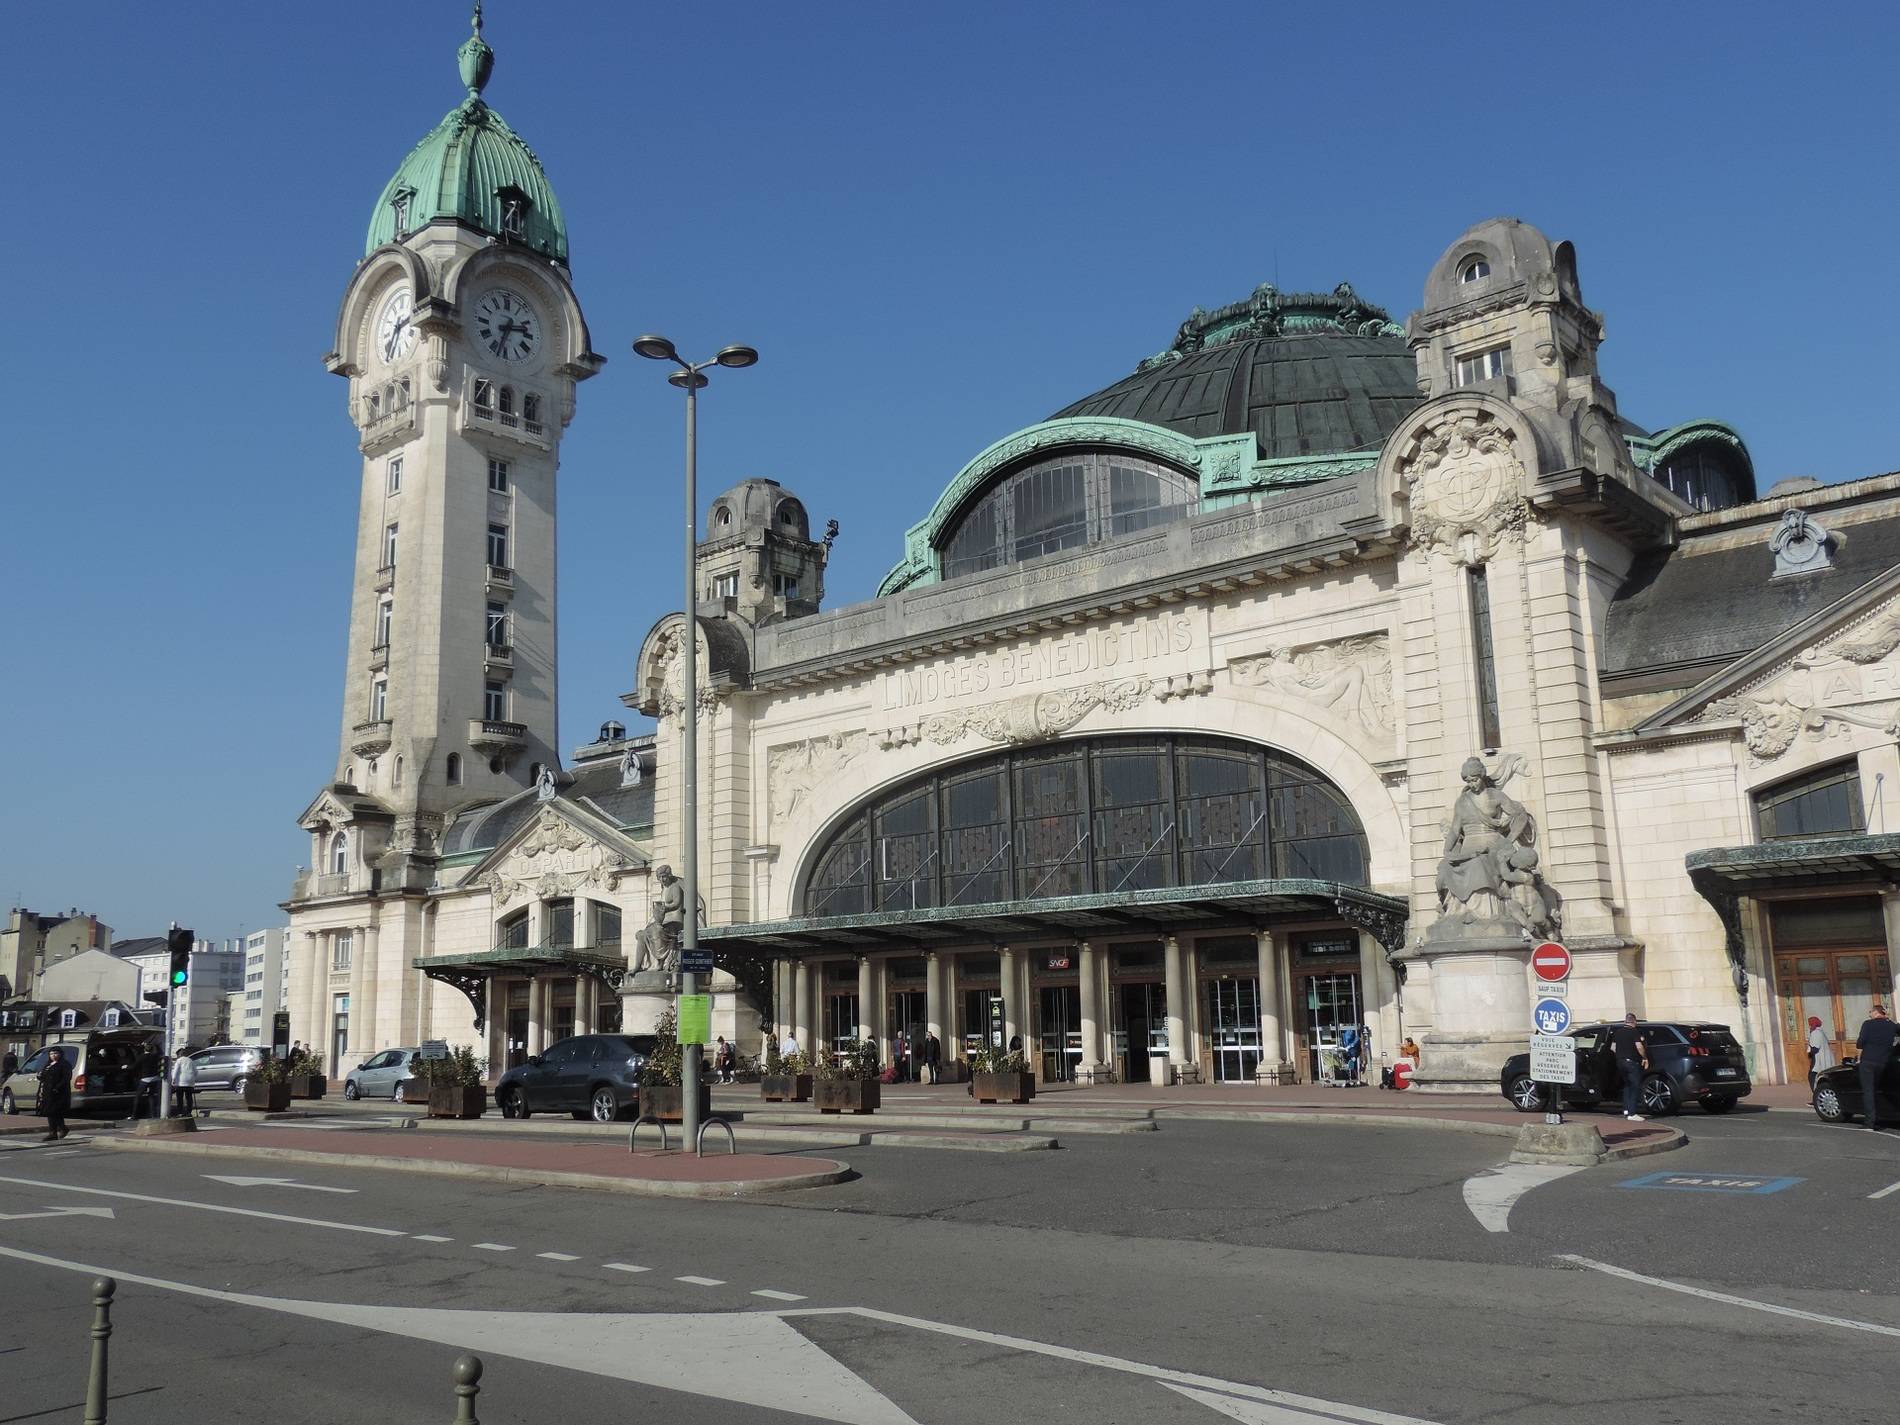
(102, 1289)
(468, 1375)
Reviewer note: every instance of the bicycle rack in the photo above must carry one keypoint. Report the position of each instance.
(699, 1141)
(633, 1138)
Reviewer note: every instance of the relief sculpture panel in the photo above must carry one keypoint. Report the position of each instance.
(1352, 676)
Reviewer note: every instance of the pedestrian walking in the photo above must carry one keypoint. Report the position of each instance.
(722, 1060)
(9, 1065)
(1632, 1059)
(933, 1056)
(1349, 1054)
(1820, 1052)
(56, 1094)
(1876, 1051)
(788, 1048)
(184, 1081)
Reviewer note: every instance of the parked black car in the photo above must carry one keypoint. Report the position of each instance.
(593, 1076)
(1688, 1063)
(1837, 1093)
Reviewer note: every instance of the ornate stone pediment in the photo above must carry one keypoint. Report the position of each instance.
(1464, 480)
(1844, 680)
(555, 858)
(1352, 676)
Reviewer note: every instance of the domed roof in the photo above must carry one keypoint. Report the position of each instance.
(1309, 373)
(472, 168)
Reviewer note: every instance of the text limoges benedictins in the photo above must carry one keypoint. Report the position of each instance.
(1085, 651)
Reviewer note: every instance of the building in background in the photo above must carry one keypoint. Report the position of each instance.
(198, 1013)
(34, 941)
(266, 985)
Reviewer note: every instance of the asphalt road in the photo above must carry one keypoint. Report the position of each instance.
(1204, 1273)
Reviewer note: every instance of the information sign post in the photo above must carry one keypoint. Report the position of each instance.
(1553, 1052)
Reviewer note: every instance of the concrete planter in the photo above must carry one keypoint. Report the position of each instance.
(1017, 1087)
(785, 1088)
(267, 1098)
(457, 1101)
(845, 1095)
(308, 1085)
(667, 1102)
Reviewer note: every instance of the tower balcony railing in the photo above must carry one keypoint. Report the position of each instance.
(370, 739)
(499, 655)
(492, 735)
(500, 577)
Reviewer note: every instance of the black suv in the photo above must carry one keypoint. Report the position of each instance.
(593, 1076)
(1688, 1063)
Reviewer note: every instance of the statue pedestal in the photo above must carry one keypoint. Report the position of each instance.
(1481, 1007)
(643, 999)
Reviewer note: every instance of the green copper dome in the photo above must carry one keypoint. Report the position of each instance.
(472, 168)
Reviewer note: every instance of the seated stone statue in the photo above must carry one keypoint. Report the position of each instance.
(1489, 870)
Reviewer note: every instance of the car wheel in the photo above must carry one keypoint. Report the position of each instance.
(604, 1106)
(1721, 1103)
(513, 1105)
(237, 1087)
(351, 1091)
(1827, 1104)
(7, 1105)
(1526, 1094)
(1660, 1098)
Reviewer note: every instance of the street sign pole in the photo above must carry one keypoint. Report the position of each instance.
(1550, 963)
(165, 1069)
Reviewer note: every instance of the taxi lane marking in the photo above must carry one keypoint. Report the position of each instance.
(1818, 1318)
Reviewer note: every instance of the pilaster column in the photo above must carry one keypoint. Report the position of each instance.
(359, 991)
(868, 1016)
(368, 938)
(1006, 986)
(586, 990)
(1370, 954)
(1272, 1045)
(1177, 1001)
(933, 997)
(584, 939)
(494, 1013)
(536, 1025)
(801, 1005)
(305, 1024)
(1087, 975)
(537, 923)
(781, 1000)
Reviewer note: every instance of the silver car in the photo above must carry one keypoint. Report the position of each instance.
(382, 1075)
(225, 1066)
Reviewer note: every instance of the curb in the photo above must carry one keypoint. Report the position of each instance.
(767, 1137)
(1453, 1125)
(528, 1177)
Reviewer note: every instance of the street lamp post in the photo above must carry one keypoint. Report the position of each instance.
(690, 377)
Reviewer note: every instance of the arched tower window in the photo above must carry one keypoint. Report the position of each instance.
(1089, 818)
(454, 769)
(531, 413)
(505, 405)
(1063, 502)
(339, 853)
(1476, 269)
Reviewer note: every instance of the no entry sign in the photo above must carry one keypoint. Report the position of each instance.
(1551, 961)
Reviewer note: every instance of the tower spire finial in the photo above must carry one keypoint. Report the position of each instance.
(477, 60)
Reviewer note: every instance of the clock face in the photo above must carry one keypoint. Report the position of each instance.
(395, 332)
(507, 326)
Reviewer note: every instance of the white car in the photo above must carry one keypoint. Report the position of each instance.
(382, 1075)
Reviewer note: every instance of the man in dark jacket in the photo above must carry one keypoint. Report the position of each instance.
(56, 1095)
(1876, 1051)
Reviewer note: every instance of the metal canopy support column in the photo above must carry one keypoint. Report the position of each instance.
(1177, 1003)
(1272, 1045)
(933, 996)
(1088, 975)
(801, 1006)
(1006, 986)
(868, 1016)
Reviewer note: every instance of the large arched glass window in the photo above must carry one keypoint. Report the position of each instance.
(1823, 802)
(1089, 818)
(1063, 502)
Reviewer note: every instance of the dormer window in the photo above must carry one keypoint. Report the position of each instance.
(726, 586)
(514, 212)
(722, 518)
(399, 205)
(1475, 270)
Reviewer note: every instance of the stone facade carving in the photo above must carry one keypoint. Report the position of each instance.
(1824, 691)
(1032, 717)
(1465, 482)
(1488, 879)
(667, 658)
(1800, 545)
(795, 771)
(556, 858)
(1352, 676)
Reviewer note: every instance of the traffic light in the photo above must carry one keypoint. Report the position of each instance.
(178, 944)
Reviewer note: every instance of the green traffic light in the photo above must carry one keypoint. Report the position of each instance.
(178, 977)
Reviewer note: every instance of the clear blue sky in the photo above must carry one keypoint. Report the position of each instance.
(938, 223)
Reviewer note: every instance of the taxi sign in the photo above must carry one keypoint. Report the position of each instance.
(1550, 1016)
(1551, 961)
(1553, 1059)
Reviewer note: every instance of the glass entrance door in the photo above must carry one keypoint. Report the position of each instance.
(1233, 1023)
(976, 1019)
(1140, 1029)
(1059, 1008)
(906, 1025)
(841, 1022)
(1332, 1003)
(340, 1035)
(515, 1042)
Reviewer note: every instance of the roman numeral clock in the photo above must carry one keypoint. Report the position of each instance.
(506, 325)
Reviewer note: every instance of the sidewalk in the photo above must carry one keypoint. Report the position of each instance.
(605, 1167)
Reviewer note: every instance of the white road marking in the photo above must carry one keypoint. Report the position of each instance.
(492, 1247)
(1889, 1188)
(779, 1295)
(236, 1181)
(105, 1212)
(1492, 1195)
(1328, 1409)
(431, 1237)
(1252, 1412)
(623, 1267)
(209, 1207)
(746, 1357)
(1816, 1317)
(700, 1281)
(558, 1256)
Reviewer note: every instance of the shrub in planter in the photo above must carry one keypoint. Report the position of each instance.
(847, 1082)
(307, 1079)
(661, 1094)
(267, 1089)
(1000, 1077)
(455, 1087)
(787, 1078)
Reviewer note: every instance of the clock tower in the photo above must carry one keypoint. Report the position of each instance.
(462, 342)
